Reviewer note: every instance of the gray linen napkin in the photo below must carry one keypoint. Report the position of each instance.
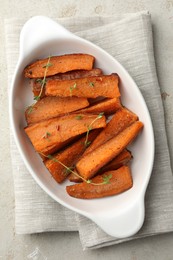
(129, 39)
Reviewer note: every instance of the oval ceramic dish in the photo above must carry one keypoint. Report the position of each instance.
(121, 215)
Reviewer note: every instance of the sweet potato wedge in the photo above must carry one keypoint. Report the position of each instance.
(49, 107)
(59, 147)
(118, 181)
(109, 106)
(122, 159)
(89, 87)
(68, 157)
(91, 163)
(74, 178)
(59, 64)
(48, 135)
(122, 118)
(36, 83)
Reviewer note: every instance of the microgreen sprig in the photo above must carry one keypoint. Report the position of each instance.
(42, 82)
(72, 88)
(89, 128)
(79, 117)
(68, 170)
(47, 65)
(91, 84)
(30, 109)
(106, 178)
(46, 135)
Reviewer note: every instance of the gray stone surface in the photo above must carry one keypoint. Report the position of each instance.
(65, 245)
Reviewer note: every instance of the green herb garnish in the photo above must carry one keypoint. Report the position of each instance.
(47, 65)
(42, 82)
(39, 81)
(72, 88)
(100, 115)
(91, 84)
(37, 98)
(44, 78)
(87, 143)
(30, 108)
(46, 135)
(89, 128)
(79, 117)
(68, 170)
(106, 178)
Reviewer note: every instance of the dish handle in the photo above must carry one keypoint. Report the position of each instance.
(40, 29)
(125, 224)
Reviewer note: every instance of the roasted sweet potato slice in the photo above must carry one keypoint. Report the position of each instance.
(59, 147)
(59, 64)
(36, 83)
(89, 87)
(74, 178)
(49, 107)
(91, 163)
(122, 118)
(122, 159)
(108, 105)
(111, 183)
(48, 135)
(68, 157)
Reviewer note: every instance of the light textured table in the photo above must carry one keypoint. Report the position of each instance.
(65, 245)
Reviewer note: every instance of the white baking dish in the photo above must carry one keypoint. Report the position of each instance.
(119, 216)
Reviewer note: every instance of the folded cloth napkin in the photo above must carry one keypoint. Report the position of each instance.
(129, 39)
